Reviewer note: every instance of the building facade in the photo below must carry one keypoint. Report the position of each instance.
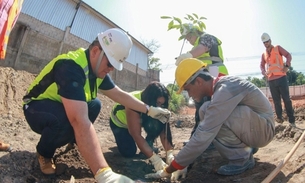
(46, 28)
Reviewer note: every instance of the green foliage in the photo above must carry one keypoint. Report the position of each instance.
(194, 22)
(295, 78)
(153, 62)
(177, 100)
(258, 82)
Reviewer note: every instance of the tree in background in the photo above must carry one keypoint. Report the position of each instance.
(153, 62)
(177, 100)
(295, 78)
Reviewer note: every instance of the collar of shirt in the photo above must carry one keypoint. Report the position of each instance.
(91, 74)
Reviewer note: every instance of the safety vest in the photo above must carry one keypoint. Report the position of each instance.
(49, 90)
(118, 113)
(213, 60)
(8, 19)
(275, 64)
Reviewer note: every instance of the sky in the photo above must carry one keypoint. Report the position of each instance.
(237, 23)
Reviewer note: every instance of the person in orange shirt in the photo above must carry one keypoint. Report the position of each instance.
(274, 69)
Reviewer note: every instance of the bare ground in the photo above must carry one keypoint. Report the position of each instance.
(20, 165)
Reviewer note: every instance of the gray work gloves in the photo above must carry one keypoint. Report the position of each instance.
(157, 162)
(106, 175)
(159, 113)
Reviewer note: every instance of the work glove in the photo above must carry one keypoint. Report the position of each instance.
(157, 162)
(159, 113)
(175, 175)
(108, 176)
(169, 156)
(159, 174)
(182, 57)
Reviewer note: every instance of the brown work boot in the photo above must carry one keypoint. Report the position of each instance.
(47, 165)
(5, 147)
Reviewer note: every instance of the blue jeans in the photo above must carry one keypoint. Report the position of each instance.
(126, 145)
(279, 88)
(48, 118)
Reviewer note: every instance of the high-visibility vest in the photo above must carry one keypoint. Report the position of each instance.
(274, 61)
(45, 88)
(118, 113)
(10, 12)
(213, 60)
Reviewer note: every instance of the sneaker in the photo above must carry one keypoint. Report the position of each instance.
(235, 169)
(47, 165)
(279, 120)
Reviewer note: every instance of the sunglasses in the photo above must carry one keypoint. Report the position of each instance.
(266, 42)
(109, 64)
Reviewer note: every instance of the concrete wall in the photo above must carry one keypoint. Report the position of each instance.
(32, 44)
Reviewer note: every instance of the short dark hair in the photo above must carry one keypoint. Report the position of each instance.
(95, 42)
(206, 77)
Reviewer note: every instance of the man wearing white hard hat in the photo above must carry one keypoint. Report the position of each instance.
(274, 69)
(61, 103)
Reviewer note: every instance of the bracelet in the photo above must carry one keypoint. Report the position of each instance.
(102, 170)
(147, 107)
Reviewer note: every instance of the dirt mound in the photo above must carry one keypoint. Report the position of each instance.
(21, 164)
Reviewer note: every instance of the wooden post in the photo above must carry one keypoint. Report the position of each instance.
(26, 31)
(67, 31)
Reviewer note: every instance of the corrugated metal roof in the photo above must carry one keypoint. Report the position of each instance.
(85, 19)
(58, 13)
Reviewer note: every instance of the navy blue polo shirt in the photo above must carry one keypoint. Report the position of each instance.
(70, 79)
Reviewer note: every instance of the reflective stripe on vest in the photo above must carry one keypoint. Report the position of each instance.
(275, 64)
(119, 118)
(49, 90)
(213, 60)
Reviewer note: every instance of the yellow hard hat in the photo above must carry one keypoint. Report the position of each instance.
(186, 69)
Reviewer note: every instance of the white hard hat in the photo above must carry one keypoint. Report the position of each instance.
(265, 37)
(116, 45)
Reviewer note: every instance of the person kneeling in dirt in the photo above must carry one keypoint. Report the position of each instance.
(126, 126)
(238, 120)
(61, 103)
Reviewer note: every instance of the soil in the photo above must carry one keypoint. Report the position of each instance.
(21, 166)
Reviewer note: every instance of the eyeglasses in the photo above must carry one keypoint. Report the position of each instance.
(266, 41)
(109, 64)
